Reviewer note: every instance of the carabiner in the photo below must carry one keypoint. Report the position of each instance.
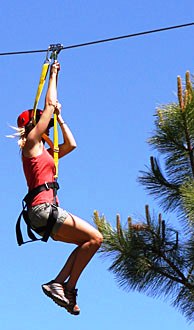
(55, 49)
(47, 56)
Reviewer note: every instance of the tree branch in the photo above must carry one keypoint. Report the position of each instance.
(182, 278)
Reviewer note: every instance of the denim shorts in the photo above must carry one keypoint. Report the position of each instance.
(39, 214)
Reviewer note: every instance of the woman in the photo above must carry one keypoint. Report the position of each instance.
(38, 165)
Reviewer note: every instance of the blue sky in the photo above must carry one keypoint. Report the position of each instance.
(109, 93)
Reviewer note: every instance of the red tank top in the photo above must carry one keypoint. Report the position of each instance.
(39, 170)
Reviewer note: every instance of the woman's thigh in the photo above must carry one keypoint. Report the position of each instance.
(75, 230)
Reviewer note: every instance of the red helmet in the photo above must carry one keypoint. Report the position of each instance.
(26, 116)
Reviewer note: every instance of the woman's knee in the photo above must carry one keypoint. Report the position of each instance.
(97, 239)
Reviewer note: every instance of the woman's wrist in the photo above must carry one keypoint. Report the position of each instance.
(60, 119)
(62, 123)
(53, 74)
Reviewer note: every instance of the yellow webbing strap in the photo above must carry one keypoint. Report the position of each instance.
(56, 146)
(43, 76)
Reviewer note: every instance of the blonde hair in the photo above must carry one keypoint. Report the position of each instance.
(20, 133)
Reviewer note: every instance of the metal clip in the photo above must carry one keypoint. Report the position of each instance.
(47, 56)
(55, 50)
(46, 185)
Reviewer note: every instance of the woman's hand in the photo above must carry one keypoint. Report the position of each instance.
(58, 109)
(55, 68)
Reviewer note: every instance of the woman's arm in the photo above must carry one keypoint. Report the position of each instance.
(32, 147)
(50, 104)
(69, 143)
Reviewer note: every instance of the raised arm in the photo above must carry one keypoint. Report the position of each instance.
(32, 146)
(69, 143)
(50, 104)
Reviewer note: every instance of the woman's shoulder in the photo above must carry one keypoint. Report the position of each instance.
(33, 152)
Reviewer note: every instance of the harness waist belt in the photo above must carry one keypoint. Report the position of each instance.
(35, 191)
(52, 216)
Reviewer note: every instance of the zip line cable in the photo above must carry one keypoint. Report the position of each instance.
(101, 41)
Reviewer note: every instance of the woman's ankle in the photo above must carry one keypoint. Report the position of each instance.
(69, 286)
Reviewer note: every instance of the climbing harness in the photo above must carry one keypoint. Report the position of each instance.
(54, 49)
(51, 219)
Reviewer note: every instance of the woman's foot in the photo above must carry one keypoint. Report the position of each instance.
(55, 291)
(71, 295)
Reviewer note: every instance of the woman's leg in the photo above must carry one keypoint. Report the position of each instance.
(66, 270)
(77, 231)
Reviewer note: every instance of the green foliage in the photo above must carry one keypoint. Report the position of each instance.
(173, 139)
(151, 257)
(187, 195)
(160, 187)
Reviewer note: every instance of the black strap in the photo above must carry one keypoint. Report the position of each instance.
(51, 220)
(53, 215)
(19, 236)
(29, 231)
(18, 230)
(45, 186)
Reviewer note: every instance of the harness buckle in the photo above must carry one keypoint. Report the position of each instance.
(46, 185)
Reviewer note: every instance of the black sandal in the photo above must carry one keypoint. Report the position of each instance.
(71, 295)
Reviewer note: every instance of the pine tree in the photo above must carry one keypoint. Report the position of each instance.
(152, 256)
